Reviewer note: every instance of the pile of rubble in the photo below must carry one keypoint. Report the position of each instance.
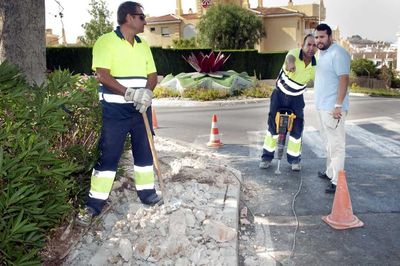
(197, 225)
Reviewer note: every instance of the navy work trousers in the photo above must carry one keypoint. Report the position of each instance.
(111, 145)
(280, 100)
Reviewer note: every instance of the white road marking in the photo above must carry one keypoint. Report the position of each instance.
(385, 146)
(312, 139)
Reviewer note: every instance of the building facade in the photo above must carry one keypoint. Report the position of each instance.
(398, 53)
(285, 26)
(379, 52)
(51, 38)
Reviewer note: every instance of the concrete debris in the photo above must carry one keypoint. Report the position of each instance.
(219, 231)
(125, 249)
(243, 212)
(195, 226)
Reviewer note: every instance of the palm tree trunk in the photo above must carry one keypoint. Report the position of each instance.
(22, 37)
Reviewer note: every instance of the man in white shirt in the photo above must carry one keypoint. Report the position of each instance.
(332, 101)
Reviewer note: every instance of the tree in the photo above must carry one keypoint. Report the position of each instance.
(230, 27)
(386, 74)
(99, 24)
(22, 37)
(363, 67)
(184, 43)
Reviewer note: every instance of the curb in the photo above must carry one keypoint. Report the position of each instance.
(171, 102)
(350, 93)
(232, 206)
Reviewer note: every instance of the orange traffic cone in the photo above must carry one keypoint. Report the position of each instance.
(342, 216)
(154, 118)
(214, 142)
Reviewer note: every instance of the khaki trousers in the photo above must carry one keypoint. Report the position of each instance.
(334, 139)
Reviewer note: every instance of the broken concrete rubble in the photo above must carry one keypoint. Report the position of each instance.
(197, 225)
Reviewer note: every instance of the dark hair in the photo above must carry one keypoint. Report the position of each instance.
(126, 8)
(324, 27)
(305, 38)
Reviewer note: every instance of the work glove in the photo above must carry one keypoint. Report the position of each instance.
(139, 96)
(141, 107)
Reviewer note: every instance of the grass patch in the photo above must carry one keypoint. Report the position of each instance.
(261, 90)
(376, 92)
(204, 94)
(161, 92)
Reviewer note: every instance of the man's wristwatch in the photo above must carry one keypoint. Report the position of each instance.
(338, 106)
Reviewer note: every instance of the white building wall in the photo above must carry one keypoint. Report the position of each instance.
(398, 52)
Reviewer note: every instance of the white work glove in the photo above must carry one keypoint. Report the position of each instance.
(141, 107)
(141, 95)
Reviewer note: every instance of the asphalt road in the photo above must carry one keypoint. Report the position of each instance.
(372, 171)
(189, 123)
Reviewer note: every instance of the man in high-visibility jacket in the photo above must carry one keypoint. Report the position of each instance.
(127, 74)
(298, 70)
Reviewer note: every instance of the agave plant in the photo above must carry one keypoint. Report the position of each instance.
(206, 63)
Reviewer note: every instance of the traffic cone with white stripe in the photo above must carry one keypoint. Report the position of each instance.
(215, 141)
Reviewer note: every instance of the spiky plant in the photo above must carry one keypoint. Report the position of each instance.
(206, 63)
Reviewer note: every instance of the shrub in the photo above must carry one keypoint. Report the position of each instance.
(161, 92)
(184, 43)
(169, 61)
(40, 130)
(363, 67)
(260, 91)
(375, 92)
(395, 83)
(204, 94)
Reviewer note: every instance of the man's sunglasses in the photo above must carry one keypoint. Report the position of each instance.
(141, 16)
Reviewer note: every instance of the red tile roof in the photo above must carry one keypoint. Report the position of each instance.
(190, 16)
(263, 10)
(165, 18)
(274, 10)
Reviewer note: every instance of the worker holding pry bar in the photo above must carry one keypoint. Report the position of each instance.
(127, 74)
(298, 70)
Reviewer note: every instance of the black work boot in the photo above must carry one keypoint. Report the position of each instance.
(323, 175)
(330, 189)
(153, 199)
(264, 164)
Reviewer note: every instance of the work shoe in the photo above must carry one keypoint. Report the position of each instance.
(330, 189)
(296, 167)
(84, 217)
(153, 199)
(323, 175)
(264, 164)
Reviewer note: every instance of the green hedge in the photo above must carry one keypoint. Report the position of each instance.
(78, 60)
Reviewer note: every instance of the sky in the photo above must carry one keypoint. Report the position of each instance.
(377, 20)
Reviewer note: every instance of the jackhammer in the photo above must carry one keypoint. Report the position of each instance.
(284, 123)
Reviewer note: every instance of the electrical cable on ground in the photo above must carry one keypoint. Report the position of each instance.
(293, 210)
(295, 216)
